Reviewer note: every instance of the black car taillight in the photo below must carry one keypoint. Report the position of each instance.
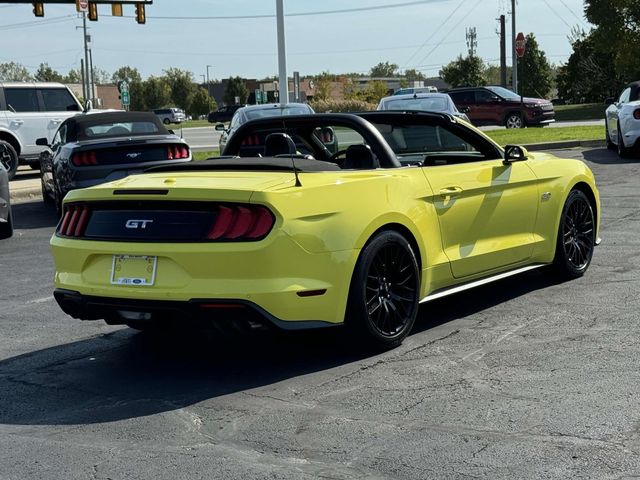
(251, 140)
(82, 159)
(177, 151)
(241, 222)
(74, 221)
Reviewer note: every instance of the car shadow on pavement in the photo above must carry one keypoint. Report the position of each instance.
(30, 215)
(123, 374)
(602, 156)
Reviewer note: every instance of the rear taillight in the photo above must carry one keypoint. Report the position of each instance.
(175, 152)
(83, 159)
(251, 140)
(241, 222)
(636, 114)
(74, 221)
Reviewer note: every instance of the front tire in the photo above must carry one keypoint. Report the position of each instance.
(383, 297)
(576, 236)
(9, 158)
(166, 121)
(513, 120)
(6, 229)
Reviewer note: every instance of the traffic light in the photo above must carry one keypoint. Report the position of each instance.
(38, 9)
(93, 12)
(140, 15)
(116, 10)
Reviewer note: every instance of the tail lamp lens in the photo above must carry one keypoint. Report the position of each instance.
(241, 222)
(636, 114)
(74, 221)
(83, 159)
(175, 152)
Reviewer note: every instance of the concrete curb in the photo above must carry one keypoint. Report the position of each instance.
(30, 190)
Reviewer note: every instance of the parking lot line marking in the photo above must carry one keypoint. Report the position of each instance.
(40, 300)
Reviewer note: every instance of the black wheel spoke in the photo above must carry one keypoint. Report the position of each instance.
(577, 232)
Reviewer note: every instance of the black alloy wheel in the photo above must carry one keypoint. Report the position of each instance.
(383, 299)
(9, 158)
(576, 236)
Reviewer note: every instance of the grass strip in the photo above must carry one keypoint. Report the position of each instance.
(576, 113)
(527, 136)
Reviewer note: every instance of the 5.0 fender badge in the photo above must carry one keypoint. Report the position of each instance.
(546, 196)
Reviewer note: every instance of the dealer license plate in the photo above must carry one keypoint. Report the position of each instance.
(136, 270)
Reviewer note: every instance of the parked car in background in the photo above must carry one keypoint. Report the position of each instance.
(223, 114)
(252, 112)
(404, 91)
(95, 148)
(412, 207)
(6, 218)
(499, 106)
(622, 121)
(170, 115)
(28, 111)
(425, 102)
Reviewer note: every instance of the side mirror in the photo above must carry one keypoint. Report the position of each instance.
(220, 127)
(609, 100)
(515, 153)
(42, 142)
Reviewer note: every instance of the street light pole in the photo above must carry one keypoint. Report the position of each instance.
(514, 61)
(283, 82)
(208, 67)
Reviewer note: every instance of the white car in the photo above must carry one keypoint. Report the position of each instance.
(28, 111)
(622, 121)
(425, 102)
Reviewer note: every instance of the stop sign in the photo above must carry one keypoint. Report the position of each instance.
(83, 5)
(521, 43)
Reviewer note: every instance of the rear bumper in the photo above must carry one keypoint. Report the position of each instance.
(219, 314)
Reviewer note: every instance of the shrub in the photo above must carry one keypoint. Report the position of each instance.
(341, 106)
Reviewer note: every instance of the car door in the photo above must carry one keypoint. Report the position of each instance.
(613, 113)
(488, 107)
(486, 209)
(24, 117)
(58, 105)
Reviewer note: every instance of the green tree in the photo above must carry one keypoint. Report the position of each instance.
(14, 72)
(617, 33)
(322, 87)
(201, 103)
(464, 72)
(74, 76)
(590, 74)
(385, 69)
(235, 88)
(373, 92)
(412, 75)
(534, 71)
(181, 85)
(492, 74)
(156, 93)
(128, 74)
(47, 74)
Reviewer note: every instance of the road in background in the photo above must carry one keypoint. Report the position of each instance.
(200, 139)
(525, 378)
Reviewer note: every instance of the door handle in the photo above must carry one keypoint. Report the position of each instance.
(18, 122)
(450, 191)
(55, 121)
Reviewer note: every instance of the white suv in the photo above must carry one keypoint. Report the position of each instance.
(29, 111)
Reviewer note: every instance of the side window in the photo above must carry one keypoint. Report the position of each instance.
(21, 99)
(624, 96)
(484, 96)
(462, 97)
(58, 100)
(59, 138)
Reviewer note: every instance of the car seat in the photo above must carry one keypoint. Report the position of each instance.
(279, 144)
(360, 157)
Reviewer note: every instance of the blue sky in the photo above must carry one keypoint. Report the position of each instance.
(424, 35)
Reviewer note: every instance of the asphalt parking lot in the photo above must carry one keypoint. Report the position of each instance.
(524, 378)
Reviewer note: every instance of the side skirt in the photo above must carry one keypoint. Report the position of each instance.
(476, 283)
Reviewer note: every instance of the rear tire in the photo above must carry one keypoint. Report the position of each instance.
(607, 138)
(383, 296)
(576, 237)
(623, 152)
(9, 158)
(46, 196)
(166, 121)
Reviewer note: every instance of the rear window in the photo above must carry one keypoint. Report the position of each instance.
(437, 104)
(105, 130)
(276, 112)
(22, 99)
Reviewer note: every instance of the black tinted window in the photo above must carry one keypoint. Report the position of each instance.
(21, 99)
(58, 100)
(463, 97)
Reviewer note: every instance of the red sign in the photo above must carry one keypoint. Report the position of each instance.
(83, 5)
(521, 43)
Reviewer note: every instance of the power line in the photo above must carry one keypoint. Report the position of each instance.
(35, 23)
(581, 20)
(435, 32)
(556, 13)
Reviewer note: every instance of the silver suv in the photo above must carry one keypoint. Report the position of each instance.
(170, 115)
(29, 111)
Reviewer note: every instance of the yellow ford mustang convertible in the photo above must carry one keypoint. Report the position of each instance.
(322, 220)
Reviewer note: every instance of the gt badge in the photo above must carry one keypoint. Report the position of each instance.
(137, 223)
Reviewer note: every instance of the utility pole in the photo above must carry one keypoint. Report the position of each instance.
(86, 57)
(513, 46)
(472, 42)
(283, 81)
(503, 52)
(93, 80)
